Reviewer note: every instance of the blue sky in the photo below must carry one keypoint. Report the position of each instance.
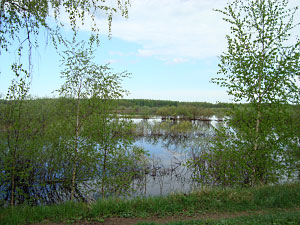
(170, 47)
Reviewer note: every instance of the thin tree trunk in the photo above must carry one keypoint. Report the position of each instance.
(104, 172)
(13, 179)
(106, 151)
(77, 133)
(256, 168)
(12, 169)
(257, 125)
(145, 187)
(73, 181)
(12, 200)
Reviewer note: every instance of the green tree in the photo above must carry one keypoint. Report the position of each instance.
(17, 145)
(34, 150)
(93, 138)
(21, 21)
(260, 67)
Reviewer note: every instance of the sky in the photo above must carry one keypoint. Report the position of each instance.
(170, 47)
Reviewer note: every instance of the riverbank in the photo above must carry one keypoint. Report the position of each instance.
(279, 202)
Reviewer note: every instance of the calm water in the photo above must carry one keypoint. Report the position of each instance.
(168, 172)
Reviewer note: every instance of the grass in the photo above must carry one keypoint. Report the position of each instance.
(206, 201)
(291, 218)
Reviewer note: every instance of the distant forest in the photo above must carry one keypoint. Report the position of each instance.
(166, 108)
(146, 108)
(162, 103)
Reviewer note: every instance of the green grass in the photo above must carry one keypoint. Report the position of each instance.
(291, 218)
(205, 201)
(28, 214)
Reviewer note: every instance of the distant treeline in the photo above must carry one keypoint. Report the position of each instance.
(172, 109)
(164, 108)
(176, 109)
(162, 103)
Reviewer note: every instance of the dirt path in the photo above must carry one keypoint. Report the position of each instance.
(132, 221)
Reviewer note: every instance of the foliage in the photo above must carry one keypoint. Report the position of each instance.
(146, 108)
(161, 103)
(166, 129)
(98, 140)
(260, 67)
(217, 200)
(53, 149)
(17, 146)
(31, 17)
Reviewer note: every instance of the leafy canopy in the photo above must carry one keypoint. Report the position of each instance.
(262, 61)
(261, 66)
(21, 21)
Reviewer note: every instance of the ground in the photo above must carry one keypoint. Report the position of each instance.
(132, 221)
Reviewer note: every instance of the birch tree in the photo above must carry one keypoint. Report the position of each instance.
(260, 67)
(93, 133)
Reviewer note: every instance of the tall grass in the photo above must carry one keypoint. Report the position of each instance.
(209, 200)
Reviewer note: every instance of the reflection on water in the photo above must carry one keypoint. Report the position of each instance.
(180, 156)
(120, 171)
(170, 144)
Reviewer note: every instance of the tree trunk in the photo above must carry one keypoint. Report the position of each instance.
(73, 181)
(77, 136)
(12, 200)
(104, 172)
(257, 168)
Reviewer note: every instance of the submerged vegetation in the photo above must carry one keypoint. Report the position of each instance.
(77, 151)
(172, 109)
(68, 148)
(107, 163)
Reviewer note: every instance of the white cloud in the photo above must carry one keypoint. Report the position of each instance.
(173, 30)
(179, 60)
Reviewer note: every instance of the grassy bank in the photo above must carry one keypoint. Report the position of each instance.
(275, 218)
(202, 202)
